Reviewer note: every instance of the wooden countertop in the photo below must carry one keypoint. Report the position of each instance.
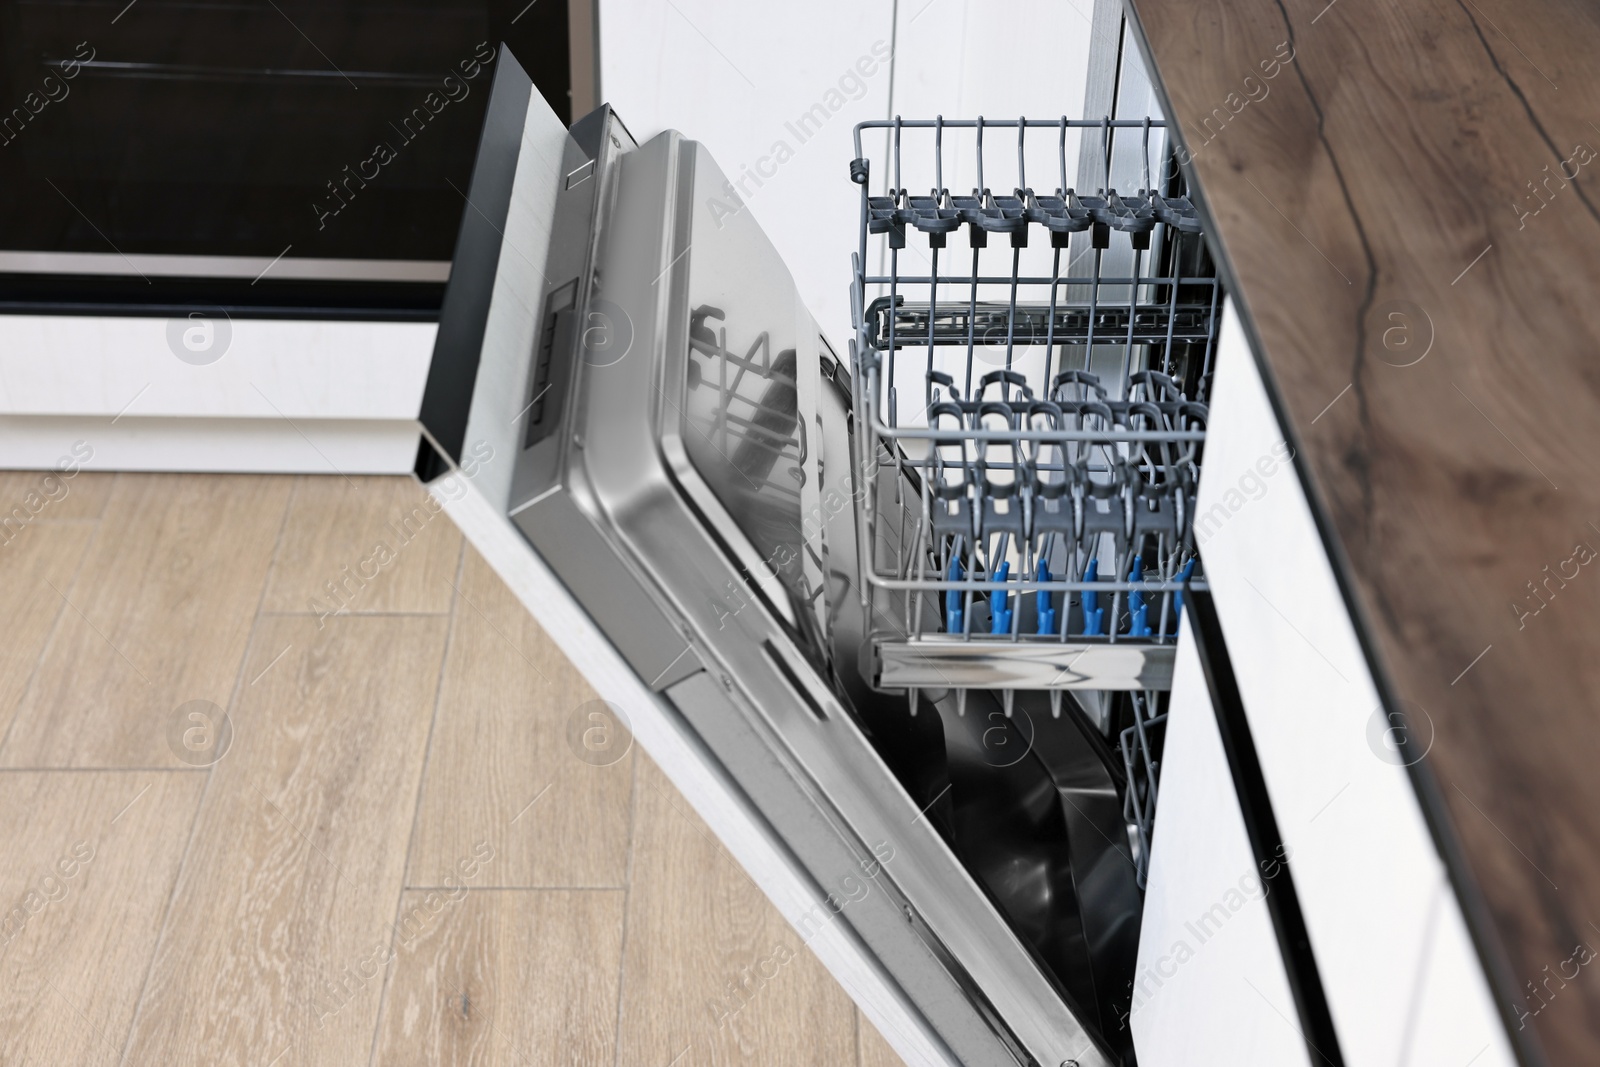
(1408, 211)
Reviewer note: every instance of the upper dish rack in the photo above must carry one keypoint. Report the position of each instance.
(1031, 434)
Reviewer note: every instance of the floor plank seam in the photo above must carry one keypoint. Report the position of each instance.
(55, 629)
(116, 479)
(357, 613)
(516, 889)
(105, 770)
(205, 791)
(166, 918)
(416, 811)
(627, 902)
(277, 545)
(85, 520)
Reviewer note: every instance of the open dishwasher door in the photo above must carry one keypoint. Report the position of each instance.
(900, 625)
(634, 419)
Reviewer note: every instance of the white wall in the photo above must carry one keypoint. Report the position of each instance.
(733, 77)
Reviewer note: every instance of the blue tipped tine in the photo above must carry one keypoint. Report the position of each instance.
(1093, 613)
(999, 610)
(1177, 600)
(1041, 603)
(953, 599)
(1140, 625)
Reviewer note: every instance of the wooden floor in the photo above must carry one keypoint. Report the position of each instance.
(290, 778)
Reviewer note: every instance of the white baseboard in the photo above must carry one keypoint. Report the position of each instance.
(234, 445)
(308, 396)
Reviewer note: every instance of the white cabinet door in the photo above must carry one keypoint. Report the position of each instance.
(1377, 903)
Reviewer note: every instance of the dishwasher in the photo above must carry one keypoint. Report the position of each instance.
(901, 620)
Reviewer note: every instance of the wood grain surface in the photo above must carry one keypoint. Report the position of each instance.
(472, 980)
(363, 544)
(90, 861)
(159, 615)
(503, 766)
(712, 974)
(276, 896)
(37, 565)
(1408, 208)
(284, 917)
(871, 1048)
(54, 496)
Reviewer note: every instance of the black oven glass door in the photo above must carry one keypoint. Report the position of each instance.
(340, 129)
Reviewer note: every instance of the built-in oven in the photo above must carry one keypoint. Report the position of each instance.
(286, 159)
